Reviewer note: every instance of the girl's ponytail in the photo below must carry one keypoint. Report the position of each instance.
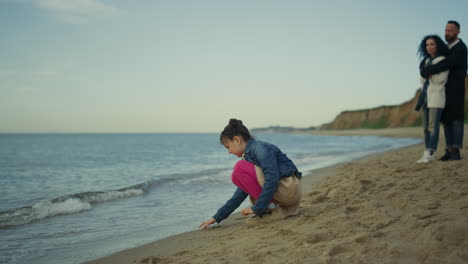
(235, 128)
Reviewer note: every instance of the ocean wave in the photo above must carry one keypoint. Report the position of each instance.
(79, 202)
(60, 206)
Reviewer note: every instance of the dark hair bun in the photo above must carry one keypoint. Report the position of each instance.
(235, 122)
(235, 128)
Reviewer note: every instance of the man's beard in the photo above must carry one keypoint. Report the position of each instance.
(449, 39)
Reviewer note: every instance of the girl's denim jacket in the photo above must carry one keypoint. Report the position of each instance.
(275, 165)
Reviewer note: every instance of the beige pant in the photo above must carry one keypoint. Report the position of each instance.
(288, 195)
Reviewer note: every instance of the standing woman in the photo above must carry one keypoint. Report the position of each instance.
(432, 98)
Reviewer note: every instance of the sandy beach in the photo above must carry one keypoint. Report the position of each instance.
(383, 208)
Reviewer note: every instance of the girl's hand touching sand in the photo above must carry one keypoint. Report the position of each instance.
(207, 223)
(247, 211)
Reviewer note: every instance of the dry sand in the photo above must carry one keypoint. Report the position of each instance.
(384, 208)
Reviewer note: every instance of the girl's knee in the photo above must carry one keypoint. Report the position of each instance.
(242, 167)
(243, 170)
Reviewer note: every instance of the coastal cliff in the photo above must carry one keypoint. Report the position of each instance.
(402, 115)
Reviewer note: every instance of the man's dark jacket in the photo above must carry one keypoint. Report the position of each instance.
(455, 86)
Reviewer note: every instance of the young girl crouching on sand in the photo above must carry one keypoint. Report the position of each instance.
(264, 173)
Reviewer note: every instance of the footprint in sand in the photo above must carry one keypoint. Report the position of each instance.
(350, 209)
(319, 237)
(397, 171)
(426, 214)
(362, 239)
(365, 185)
(285, 232)
(451, 233)
(409, 186)
(314, 193)
(365, 182)
(320, 199)
(335, 250)
(433, 205)
(378, 234)
(386, 187)
(150, 260)
(383, 224)
(336, 254)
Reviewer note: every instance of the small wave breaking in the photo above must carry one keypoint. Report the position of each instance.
(79, 202)
(61, 206)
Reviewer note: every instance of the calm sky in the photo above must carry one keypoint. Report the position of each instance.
(189, 66)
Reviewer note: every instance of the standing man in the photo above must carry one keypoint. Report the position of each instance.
(454, 114)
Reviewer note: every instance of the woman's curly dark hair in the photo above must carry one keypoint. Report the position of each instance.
(442, 48)
(235, 128)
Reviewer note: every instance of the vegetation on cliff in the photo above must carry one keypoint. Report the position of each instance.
(402, 115)
(387, 116)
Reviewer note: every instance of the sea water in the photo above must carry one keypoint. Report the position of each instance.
(69, 198)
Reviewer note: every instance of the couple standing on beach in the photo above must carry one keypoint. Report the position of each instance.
(443, 71)
(271, 179)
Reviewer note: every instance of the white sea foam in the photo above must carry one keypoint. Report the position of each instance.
(47, 208)
(61, 206)
(111, 195)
